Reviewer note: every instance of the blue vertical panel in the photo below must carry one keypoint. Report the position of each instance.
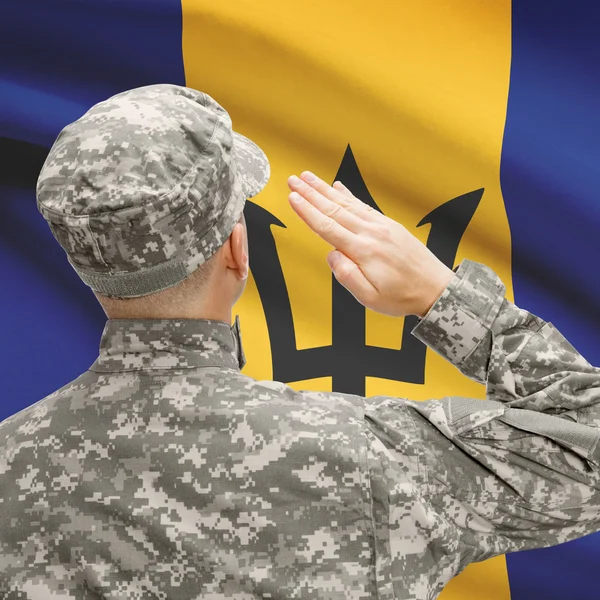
(56, 60)
(550, 178)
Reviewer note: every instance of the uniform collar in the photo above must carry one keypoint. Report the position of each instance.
(140, 344)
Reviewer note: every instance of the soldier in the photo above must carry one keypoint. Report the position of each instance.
(163, 472)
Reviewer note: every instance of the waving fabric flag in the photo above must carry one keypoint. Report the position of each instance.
(475, 124)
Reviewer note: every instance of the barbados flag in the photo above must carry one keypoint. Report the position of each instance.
(474, 123)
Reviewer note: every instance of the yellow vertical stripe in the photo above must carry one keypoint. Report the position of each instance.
(419, 90)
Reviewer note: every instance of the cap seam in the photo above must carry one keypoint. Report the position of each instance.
(178, 257)
(96, 245)
(162, 197)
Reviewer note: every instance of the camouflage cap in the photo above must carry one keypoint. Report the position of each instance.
(146, 186)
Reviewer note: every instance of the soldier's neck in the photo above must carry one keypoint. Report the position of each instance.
(216, 311)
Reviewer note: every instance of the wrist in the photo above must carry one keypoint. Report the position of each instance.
(433, 290)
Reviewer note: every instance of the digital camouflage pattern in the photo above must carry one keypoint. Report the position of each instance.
(146, 186)
(165, 473)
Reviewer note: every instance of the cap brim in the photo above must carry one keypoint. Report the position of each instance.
(253, 167)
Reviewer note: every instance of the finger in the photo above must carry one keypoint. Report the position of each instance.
(340, 187)
(347, 200)
(324, 226)
(331, 209)
(348, 273)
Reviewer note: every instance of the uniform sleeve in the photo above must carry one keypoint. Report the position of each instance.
(521, 469)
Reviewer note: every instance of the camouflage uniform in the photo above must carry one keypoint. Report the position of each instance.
(164, 473)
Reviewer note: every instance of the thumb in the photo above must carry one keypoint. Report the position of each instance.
(348, 273)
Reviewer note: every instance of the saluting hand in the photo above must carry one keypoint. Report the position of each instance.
(384, 266)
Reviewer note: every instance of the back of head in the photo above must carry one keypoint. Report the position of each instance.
(186, 299)
(144, 189)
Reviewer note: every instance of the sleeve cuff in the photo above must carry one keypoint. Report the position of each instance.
(461, 317)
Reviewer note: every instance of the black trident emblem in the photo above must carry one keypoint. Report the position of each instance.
(349, 359)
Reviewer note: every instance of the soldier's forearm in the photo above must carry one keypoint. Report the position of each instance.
(459, 324)
(515, 353)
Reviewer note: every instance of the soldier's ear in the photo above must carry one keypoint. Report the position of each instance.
(237, 252)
